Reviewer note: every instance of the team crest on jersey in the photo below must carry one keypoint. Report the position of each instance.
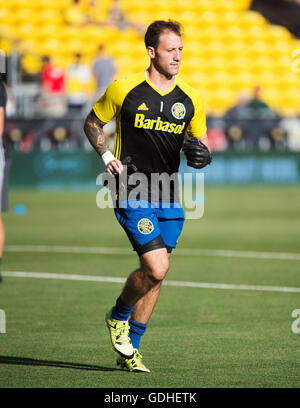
(178, 110)
(145, 226)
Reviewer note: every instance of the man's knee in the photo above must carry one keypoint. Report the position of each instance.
(159, 272)
(156, 266)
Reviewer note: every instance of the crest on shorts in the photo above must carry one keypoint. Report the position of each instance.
(178, 110)
(145, 226)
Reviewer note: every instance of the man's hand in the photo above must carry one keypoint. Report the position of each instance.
(114, 167)
(197, 153)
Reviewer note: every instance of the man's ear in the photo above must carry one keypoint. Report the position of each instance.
(151, 52)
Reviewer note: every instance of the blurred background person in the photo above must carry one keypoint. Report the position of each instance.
(237, 121)
(240, 110)
(119, 19)
(104, 70)
(52, 98)
(263, 120)
(79, 85)
(256, 102)
(74, 14)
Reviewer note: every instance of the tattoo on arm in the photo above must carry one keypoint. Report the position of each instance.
(93, 128)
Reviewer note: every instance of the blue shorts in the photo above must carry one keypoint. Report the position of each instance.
(150, 225)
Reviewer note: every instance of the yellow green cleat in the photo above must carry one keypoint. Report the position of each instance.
(133, 364)
(119, 335)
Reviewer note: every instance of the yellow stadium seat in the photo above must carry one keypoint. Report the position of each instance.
(221, 79)
(277, 32)
(256, 33)
(187, 17)
(244, 80)
(12, 4)
(3, 14)
(283, 64)
(51, 47)
(191, 32)
(196, 79)
(131, 35)
(226, 49)
(7, 31)
(231, 17)
(126, 65)
(259, 48)
(210, 33)
(56, 4)
(281, 47)
(290, 98)
(236, 48)
(267, 78)
(21, 4)
(119, 48)
(238, 63)
(233, 32)
(73, 46)
(192, 6)
(23, 15)
(49, 31)
(49, 15)
(191, 48)
(6, 45)
(191, 65)
(209, 17)
(218, 62)
(264, 63)
(252, 18)
(26, 30)
(243, 4)
(31, 64)
(271, 95)
(141, 16)
(220, 100)
(289, 79)
(62, 61)
(219, 48)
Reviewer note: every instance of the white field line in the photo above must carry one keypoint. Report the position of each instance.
(179, 251)
(109, 279)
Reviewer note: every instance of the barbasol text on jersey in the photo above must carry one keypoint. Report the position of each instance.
(157, 124)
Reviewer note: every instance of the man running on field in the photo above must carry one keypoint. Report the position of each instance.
(153, 110)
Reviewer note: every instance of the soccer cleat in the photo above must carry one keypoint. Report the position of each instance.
(119, 335)
(133, 364)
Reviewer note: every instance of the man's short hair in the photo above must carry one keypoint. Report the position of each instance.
(156, 28)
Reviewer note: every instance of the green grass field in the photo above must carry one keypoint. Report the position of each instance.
(197, 337)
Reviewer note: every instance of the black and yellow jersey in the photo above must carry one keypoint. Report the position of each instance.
(150, 124)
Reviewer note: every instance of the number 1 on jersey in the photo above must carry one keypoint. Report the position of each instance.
(161, 106)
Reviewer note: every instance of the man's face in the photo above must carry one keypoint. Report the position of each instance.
(168, 54)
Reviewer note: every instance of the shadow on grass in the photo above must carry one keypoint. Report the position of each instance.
(47, 363)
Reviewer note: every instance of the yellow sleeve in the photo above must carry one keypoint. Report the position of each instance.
(197, 126)
(109, 105)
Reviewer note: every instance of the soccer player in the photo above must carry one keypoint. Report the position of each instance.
(153, 110)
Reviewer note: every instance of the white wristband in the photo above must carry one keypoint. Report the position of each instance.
(107, 157)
